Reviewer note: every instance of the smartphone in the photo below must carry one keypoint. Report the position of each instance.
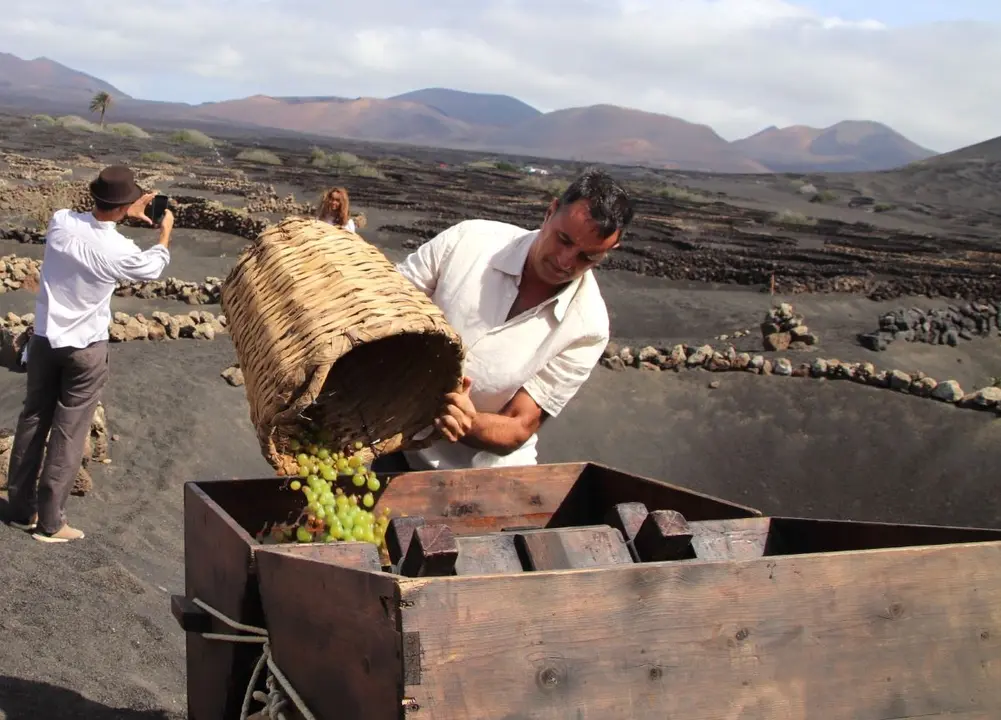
(156, 208)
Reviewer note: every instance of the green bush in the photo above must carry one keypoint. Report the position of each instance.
(75, 122)
(192, 137)
(793, 219)
(127, 130)
(264, 157)
(681, 194)
(158, 156)
(44, 119)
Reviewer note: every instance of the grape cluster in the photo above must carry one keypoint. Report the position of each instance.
(339, 491)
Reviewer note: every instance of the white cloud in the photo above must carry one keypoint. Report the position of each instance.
(737, 65)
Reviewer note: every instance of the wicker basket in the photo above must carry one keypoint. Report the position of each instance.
(330, 336)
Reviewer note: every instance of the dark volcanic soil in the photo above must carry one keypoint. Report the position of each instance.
(87, 631)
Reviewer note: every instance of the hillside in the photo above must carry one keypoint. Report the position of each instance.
(614, 134)
(479, 121)
(850, 146)
(362, 119)
(42, 77)
(473, 108)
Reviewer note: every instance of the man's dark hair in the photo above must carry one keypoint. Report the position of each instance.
(105, 206)
(611, 207)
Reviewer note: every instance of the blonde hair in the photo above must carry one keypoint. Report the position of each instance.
(335, 203)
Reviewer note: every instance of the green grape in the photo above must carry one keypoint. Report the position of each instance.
(328, 473)
(341, 501)
(295, 485)
(347, 521)
(358, 533)
(302, 459)
(349, 471)
(358, 445)
(294, 445)
(303, 535)
(368, 500)
(358, 480)
(373, 483)
(320, 513)
(323, 454)
(353, 500)
(313, 448)
(354, 461)
(342, 464)
(325, 537)
(303, 471)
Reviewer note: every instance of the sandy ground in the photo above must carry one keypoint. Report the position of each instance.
(86, 628)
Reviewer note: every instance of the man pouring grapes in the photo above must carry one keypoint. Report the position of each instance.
(532, 318)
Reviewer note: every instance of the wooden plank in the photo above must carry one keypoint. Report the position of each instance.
(218, 570)
(334, 632)
(571, 548)
(600, 488)
(352, 554)
(399, 533)
(803, 535)
(873, 635)
(487, 555)
(664, 535)
(482, 499)
(743, 539)
(432, 552)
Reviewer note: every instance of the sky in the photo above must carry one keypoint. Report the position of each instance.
(927, 68)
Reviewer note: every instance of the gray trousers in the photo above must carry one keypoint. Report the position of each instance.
(64, 387)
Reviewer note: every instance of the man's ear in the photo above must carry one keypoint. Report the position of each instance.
(553, 206)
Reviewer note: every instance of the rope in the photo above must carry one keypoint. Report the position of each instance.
(280, 690)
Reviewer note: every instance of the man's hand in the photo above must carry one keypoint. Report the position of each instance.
(456, 419)
(137, 210)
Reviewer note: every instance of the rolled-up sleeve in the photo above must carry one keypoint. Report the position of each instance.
(562, 376)
(143, 265)
(423, 267)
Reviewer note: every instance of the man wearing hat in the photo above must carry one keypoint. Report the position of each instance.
(85, 258)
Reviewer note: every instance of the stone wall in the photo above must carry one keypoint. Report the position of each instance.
(96, 450)
(942, 326)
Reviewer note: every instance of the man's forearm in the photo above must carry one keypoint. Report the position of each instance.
(164, 237)
(498, 434)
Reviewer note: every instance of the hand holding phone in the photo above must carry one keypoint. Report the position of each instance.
(156, 208)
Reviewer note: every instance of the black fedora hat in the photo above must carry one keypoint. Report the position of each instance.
(115, 185)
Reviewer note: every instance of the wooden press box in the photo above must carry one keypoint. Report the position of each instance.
(579, 591)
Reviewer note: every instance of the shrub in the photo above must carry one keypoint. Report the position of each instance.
(264, 157)
(192, 137)
(790, 218)
(681, 194)
(127, 130)
(75, 122)
(158, 156)
(883, 207)
(44, 119)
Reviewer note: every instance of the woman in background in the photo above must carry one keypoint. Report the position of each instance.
(335, 208)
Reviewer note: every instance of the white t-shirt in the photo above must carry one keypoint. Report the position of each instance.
(472, 271)
(349, 225)
(84, 260)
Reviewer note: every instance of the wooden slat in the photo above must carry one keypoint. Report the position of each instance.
(484, 499)
(432, 552)
(487, 555)
(217, 569)
(870, 635)
(742, 539)
(571, 548)
(334, 632)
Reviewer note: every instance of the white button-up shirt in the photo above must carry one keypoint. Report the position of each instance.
(83, 262)
(472, 272)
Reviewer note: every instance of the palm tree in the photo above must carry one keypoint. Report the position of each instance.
(101, 103)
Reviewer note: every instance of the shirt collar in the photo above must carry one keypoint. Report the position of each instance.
(511, 261)
(102, 224)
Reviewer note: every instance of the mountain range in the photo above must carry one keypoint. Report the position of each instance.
(447, 118)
